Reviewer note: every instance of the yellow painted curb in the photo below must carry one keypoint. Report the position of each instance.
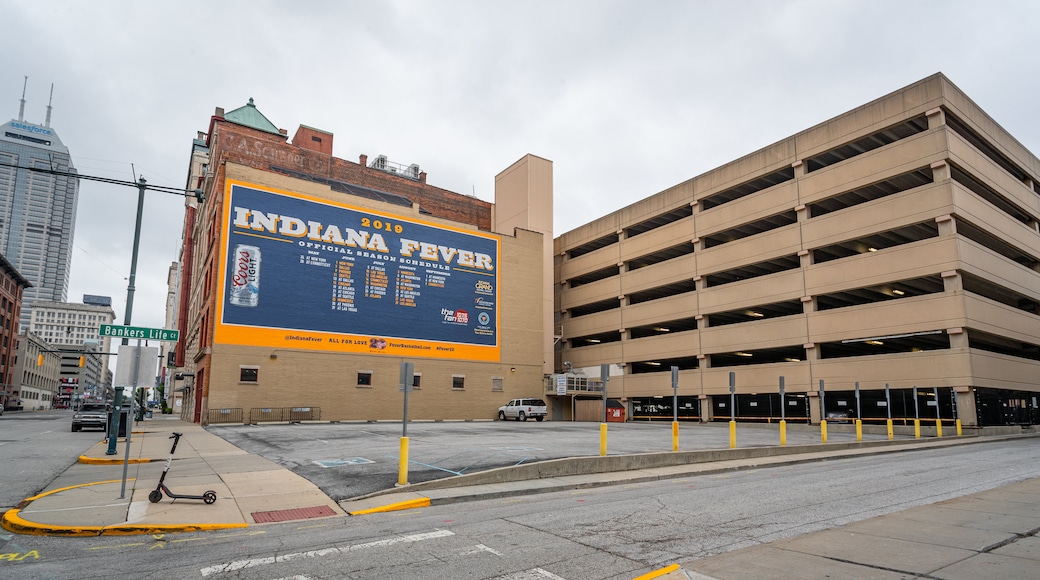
(100, 461)
(12, 522)
(658, 573)
(402, 505)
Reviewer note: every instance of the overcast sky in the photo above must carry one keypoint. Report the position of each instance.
(626, 98)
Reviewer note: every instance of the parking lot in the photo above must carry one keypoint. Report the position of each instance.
(352, 459)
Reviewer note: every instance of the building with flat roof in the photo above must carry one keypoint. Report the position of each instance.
(73, 329)
(889, 252)
(39, 387)
(306, 280)
(38, 196)
(12, 287)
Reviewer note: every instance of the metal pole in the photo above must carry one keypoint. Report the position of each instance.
(675, 408)
(604, 376)
(142, 185)
(783, 414)
(823, 404)
(888, 407)
(675, 394)
(732, 410)
(407, 372)
(917, 417)
(859, 419)
(113, 427)
(133, 392)
(823, 414)
(938, 413)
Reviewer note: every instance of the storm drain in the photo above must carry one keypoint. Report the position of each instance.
(293, 514)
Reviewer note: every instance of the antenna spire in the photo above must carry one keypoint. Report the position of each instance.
(21, 107)
(47, 123)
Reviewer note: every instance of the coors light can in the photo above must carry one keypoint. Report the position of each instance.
(245, 276)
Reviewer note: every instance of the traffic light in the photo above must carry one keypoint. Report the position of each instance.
(82, 360)
(39, 360)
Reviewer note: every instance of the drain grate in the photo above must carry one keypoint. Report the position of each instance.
(293, 514)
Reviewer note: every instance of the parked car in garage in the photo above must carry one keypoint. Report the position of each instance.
(521, 409)
(90, 415)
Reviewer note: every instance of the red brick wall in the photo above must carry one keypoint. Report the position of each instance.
(264, 150)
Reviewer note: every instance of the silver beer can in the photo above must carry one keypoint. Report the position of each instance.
(245, 276)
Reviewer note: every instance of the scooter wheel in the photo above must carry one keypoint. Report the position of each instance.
(155, 496)
(209, 497)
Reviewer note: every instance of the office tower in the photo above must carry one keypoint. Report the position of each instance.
(38, 199)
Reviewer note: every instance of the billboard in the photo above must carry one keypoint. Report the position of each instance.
(301, 272)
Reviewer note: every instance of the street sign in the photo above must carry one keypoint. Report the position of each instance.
(141, 332)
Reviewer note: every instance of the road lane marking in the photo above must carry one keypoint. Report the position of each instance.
(532, 574)
(252, 563)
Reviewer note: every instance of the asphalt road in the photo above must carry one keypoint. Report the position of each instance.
(348, 460)
(590, 534)
(36, 447)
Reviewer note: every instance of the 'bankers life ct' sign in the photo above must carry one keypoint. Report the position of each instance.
(303, 272)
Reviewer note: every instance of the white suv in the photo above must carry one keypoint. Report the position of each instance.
(521, 409)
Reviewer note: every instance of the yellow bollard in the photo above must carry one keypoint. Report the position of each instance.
(602, 439)
(859, 430)
(958, 427)
(823, 431)
(917, 428)
(675, 435)
(783, 432)
(732, 434)
(891, 433)
(938, 428)
(402, 469)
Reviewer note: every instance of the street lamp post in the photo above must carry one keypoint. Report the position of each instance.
(142, 185)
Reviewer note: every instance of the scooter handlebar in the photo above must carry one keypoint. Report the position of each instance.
(176, 435)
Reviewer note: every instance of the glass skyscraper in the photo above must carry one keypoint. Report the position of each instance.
(37, 209)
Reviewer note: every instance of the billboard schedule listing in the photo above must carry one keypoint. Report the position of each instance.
(310, 273)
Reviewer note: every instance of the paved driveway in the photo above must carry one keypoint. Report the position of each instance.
(351, 459)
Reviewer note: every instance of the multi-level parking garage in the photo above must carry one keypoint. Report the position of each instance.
(896, 244)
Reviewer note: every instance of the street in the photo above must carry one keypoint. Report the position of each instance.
(611, 532)
(34, 448)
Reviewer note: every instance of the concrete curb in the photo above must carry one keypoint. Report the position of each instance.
(401, 505)
(658, 573)
(12, 522)
(100, 461)
(591, 465)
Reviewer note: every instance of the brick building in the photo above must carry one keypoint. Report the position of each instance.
(343, 286)
(12, 285)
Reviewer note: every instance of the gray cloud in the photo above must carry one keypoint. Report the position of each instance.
(627, 98)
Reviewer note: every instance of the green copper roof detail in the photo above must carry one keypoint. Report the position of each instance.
(250, 117)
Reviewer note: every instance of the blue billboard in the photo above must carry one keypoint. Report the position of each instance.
(309, 273)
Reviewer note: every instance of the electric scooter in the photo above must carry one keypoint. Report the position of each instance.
(156, 494)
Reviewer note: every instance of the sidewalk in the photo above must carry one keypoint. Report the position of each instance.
(991, 534)
(86, 499)
(987, 535)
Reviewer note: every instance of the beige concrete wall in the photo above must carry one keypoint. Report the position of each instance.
(942, 202)
(524, 200)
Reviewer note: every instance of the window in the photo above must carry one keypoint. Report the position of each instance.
(248, 374)
(496, 384)
(458, 382)
(364, 378)
(416, 380)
